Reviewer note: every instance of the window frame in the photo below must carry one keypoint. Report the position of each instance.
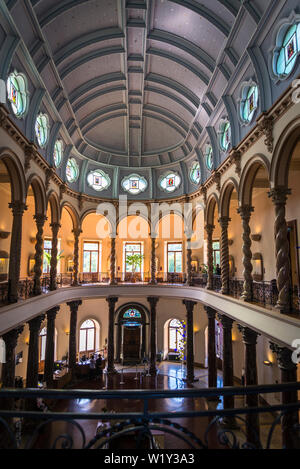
(175, 256)
(86, 329)
(177, 340)
(99, 252)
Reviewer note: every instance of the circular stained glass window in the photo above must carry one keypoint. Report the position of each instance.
(72, 170)
(209, 160)
(42, 129)
(17, 93)
(170, 182)
(134, 184)
(98, 180)
(249, 103)
(225, 136)
(285, 57)
(58, 153)
(195, 173)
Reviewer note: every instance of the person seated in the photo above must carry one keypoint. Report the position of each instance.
(92, 373)
(99, 366)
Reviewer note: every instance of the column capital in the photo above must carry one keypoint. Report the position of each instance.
(112, 300)
(284, 357)
(209, 229)
(279, 195)
(153, 300)
(35, 323)
(11, 337)
(224, 221)
(226, 322)
(189, 304)
(74, 305)
(18, 207)
(245, 211)
(211, 313)
(40, 219)
(77, 232)
(249, 336)
(55, 226)
(51, 314)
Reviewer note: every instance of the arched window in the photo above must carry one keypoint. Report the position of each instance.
(98, 180)
(134, 184)
(249, 103)
(169, 182)
(219, 339)
(132, 313)
(42, 129)
(17, 93)
(72, 170)
(225, 136)
(195, 173)
(87, 336)
(287, 50)
(209, 159)
(58, 153)
(175, 335)
(43, 340)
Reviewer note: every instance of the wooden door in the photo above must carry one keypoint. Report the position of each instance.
(131, 344)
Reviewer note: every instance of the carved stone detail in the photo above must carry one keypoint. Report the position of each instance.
(235, 158)
(224, 221)
(49, 174)
(266, 125)
(245, 212)
(40, 221)
(210, 259)
(282, 250)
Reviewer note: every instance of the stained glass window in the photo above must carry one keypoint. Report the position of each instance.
(98, 180)
(195, 173)
(249, 103)
(72, 170)
(170, 182)
(285, 56)
(42, 129)
(225, 136)
(209, 160)
(58, 153)
(132, 313)
(134, 184)
(17, 93)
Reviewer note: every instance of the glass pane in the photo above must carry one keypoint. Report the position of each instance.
(175, 247)
(43, 347)
(172, 342)
(217, 257)
(86, 261)
(90, 339)
(94, 262)
(87, 323)
(91, 247)
(178, 262)
(175, 323)
(216, 245)
(171, 262)
(82, 337)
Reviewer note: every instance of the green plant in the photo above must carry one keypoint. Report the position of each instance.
(47, 256)
(134, 260)
(204, 268)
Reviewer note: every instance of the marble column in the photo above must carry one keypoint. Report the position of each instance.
(38, 257)
(18, 209)
(50, 345)
(189, 279)
(77, 232)
(252, 420)
(112, 300)
(113, 261)
(245, 212)
(210, 258)
(153, 300)
(224, 221)
(212, 357)
(8, 368)
(153, 262)
(288, 369)
(73, 305)
(282, 249)
(190, 378)
(54, 253)
(227, 360)
(33, 352)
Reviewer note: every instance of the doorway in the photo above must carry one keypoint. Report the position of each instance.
(131, 344)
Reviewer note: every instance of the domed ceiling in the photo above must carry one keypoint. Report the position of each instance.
(136, 74)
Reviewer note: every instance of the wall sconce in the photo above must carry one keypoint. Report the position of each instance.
(230, 242)
(267, 363)
(67, 332)
(258, 272)
(4, 234)
(231, 266)
(27, 341)
(32, 239)
(70, 242)
(256, 237)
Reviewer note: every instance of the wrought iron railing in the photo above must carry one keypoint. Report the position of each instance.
(207, 429)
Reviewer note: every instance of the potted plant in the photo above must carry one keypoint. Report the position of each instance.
(135, 261)
(47, 257)
(204, 270)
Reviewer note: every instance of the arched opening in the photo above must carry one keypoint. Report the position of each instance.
(6, 219)
(174, 340)
(42, 348)
(89, 338)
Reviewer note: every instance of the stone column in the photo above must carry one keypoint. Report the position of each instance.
(282, 249)
(212, 358)
(110, 369)
(252, 420)
(50, 344)
(73, 305)
(8, 368)
(77, 232)
(288, 375)
(227, 361)
(18, 209)
(113, 261)
(189, 279)
(245, 212)
(153, 262)
(190, 378)
(153, 302)
(38, 258)
(54, 253)
(224, 221)
(210, 259)
(33, 352)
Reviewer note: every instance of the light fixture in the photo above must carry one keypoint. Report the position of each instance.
(67, 332)
(230, 242)
(256, 237)
(4, 234)
(258, 270)
(267, 363)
